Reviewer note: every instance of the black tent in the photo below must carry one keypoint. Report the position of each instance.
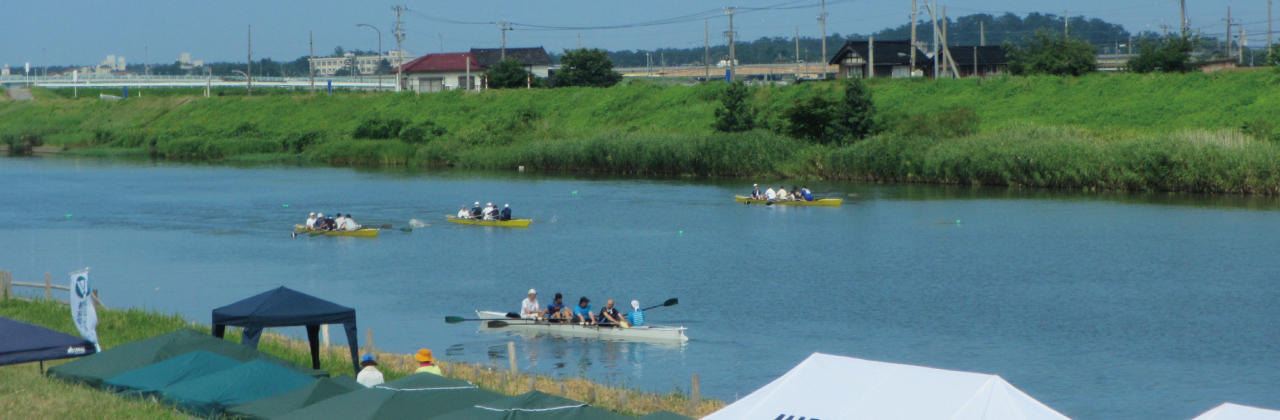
(284, 307)
(21, 342)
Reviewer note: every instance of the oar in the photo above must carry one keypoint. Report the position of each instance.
(457, 319)
(669, 302)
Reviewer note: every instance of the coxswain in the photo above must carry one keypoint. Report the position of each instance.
(755, 192)
(529, 308)
(506, 212)
(609, 315)
(311, 221)
(475, 211)
(582, 313)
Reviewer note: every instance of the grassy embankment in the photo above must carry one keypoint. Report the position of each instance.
(1142, 132)
(24, 390)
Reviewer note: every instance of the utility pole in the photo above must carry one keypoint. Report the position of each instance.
(504, 27)
(311, 64)
(871, 58)
(946, 46)
(248, 86)
(1228, 32)
(579, 40)
(934, 17)
(146, 69)
(399, 33)
(822, 18)
(797, 52)
(1268, 26)
(733, 58)
(1184, 16)
(982, 33)
(1066, 24)
(706, 53)
(975, 62)
(914, 10)
(377, 67)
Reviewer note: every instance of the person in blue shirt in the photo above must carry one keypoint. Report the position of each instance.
(808, 196)
(582, 313)
(636, 317)
(556, 311)
(755, 192)
(506, 212)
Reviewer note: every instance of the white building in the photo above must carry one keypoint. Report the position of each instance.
(535, 60)
(113, 63)
(444, 71)
(367, 64)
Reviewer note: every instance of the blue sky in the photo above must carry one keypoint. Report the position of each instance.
(85, 31)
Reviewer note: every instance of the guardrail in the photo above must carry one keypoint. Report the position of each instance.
(7, 284)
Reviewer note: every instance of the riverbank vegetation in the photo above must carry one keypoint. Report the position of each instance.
(1168, 132)
(23, 389)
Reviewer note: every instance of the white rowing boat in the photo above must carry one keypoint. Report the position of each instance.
(643, 333)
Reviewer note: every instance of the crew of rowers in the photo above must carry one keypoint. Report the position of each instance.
(796, 194)
(582, 313)
(339, 222)
(489, 212)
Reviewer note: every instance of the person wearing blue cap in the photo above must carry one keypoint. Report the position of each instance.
(369, 376)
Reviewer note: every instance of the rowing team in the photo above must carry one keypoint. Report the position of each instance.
(796, 194)
(489, 212)
(582, 314)
(340, 222)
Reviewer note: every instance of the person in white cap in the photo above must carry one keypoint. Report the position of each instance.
(464, 214)
(636, 317)
(506, 212)
(529, 308)
(475, 211)
(755, 192)
(490, 211)
(311, 221)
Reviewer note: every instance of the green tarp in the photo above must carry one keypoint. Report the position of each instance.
(418, 396)
(126, 357)
(533, 405)
(149, 380)
(208, 395)
(665, 415)
(317, 391)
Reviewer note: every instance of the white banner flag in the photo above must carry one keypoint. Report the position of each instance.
(82, 310)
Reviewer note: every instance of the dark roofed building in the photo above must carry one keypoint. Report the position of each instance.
(989, 60)
(535, 60)
(890, 58)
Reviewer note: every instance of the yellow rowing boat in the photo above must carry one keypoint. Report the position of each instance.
(363, 233)
(477, 222)
(827, 202)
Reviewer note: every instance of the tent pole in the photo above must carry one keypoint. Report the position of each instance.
(313, 338)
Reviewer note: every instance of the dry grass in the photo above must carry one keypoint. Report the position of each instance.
(620, 399)
(26, 394)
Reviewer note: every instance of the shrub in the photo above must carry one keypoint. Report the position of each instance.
(298, 142)
(1172, 54)
(951, 123)
(1260, 129)
(586, 67)
(379, 128)
(813, 119)
(736, 116)
(422, 132)
(1046, 52)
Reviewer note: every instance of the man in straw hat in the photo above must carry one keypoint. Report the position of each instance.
(425, 362)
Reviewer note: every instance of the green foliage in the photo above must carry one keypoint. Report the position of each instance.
(379, 128)
(1261, 129)
(587, 68)
(857, 115)
(1273, 55)
(509, 74)
(955, 122)
(737, 115)
(1046, 52)
(422, 132)
(1171, 54)
(833, 121)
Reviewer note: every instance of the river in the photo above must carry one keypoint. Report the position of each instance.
(1102, 305)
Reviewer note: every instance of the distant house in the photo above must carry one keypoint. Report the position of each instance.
(535, 60)
(443, 71)
(975, 61)
(1216, 65)
(890, 58)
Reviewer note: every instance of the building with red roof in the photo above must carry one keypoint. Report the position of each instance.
(442, 71)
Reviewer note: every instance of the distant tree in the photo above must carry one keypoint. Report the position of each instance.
(338, 51)
(736, 116)
(1049, 53)
(1273, 55)
(856, 119)
(509, 74)
(1171, 54)
(588, 68)
(830, 121)
(342, 72)
(384, 66)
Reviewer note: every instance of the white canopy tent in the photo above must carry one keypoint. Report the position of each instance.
(826, 387)
(1229, 411)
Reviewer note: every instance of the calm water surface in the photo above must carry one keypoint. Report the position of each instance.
(1101, 305)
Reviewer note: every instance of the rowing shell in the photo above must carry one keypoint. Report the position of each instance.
(363, 233)
(478, 222)
(826, 202)
(643, 333)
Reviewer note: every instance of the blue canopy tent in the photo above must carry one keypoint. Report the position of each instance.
(284, 307)
(21, 342)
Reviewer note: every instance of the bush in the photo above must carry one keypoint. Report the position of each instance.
(422, 132)
(509, 74)
(1046, 52)
(1172, 54)
(586, 67)
(1260, 129)
(813, 119)
(736, 116)
(379, 128)
(951, 123)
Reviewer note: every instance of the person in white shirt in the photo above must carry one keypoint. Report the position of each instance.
(369, 376)
(339, 221)
(464, 213)
(489, 211)
(349, 223)
(782, 193)
(770, 194)
(311, 221)
(529, 308)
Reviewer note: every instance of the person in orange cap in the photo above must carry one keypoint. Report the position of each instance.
(425, 362)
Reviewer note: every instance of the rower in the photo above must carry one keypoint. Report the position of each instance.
(636, 317)
(506, 212)
(350, 224)
(529, 308)
(770, 194)
(808, 196)
(609, 315)
(582, 313)
(556, 311)
(464, 213)
(475, 211)
(311, 221)
(782, 193)
(490, 211)
(755, 192)
(331, 223)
